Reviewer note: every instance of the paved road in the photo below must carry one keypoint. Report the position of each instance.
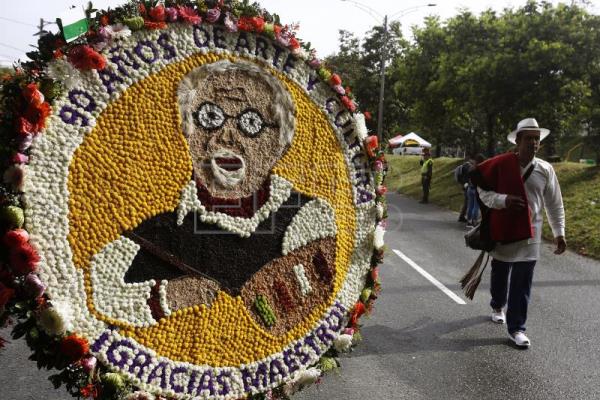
(421, 344)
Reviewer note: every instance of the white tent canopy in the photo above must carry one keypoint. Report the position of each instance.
(411, 138)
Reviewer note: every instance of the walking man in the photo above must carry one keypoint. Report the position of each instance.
(517, 187)
(426, 173)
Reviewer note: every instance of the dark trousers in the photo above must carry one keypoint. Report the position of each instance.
(463, 210)
(426, 183)
(519, 292)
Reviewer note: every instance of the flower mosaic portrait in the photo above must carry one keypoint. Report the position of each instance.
(193, 208)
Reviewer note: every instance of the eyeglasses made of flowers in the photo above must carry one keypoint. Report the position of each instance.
(250, 121)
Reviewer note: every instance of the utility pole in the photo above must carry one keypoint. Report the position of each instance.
(382, 80)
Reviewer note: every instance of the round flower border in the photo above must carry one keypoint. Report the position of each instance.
(49, 84)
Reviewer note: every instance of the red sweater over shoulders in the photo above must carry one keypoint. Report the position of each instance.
(502, 174)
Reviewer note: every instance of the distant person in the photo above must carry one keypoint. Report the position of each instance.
(426, 174)
(517, 187)
(461, 176)
(471, 192)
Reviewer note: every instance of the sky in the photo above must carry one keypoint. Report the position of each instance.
(319, 20)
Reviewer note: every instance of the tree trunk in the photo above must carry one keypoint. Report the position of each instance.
(491, 137)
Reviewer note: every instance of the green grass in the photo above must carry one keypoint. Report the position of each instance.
(580, 185)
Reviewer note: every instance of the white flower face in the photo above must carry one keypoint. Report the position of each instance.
(235, 140)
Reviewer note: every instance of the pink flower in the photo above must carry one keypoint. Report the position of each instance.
(104, 33)
(26, 140)
(189, 15)
(378, 165)
(19, 158)
(89, 363)
(34, 286)
(172, 14)
(230, 22)
(315, 63)
(349, 331)
(339, 89)
(213, 15)
(381, 190)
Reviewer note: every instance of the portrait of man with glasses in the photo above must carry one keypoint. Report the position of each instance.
(239, 228)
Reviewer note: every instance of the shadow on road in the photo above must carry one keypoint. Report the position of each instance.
(426, 335)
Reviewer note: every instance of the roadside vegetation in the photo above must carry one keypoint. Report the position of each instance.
(464, 82)
(580, 185)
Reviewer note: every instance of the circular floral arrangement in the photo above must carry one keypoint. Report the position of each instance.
(192, 206)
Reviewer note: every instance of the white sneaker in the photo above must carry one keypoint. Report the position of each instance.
(520, 339)
(498, 316)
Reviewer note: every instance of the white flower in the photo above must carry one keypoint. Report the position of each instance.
(140, 395)
(380, 210)
(118, 31)
(342, 342)
(361, 126)
(15, 175)
(56, 320)
(378, 237)
(63, 71)
(304, 378)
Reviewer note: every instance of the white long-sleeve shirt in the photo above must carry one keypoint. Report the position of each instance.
(543, 191)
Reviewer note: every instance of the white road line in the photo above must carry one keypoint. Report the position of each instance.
(430, 278)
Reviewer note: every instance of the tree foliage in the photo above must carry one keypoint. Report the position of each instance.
(466, 82)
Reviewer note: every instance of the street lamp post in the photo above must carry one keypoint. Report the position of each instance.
(378, 17)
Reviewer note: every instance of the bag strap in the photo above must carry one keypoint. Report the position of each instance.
(528, 173)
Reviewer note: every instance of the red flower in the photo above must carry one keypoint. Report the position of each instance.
(335, 80)
(371, 143)
(90, 390)
(16, 237)
(348, 103)
(59, 42)
(375, 274)
(85, 57)
(358, 310)
(74, 347)
(23, 259)
(294, 43)
(36, 115)
(367, 115)
(104, 20)
(142, 9)
(154, 25)
(6, 294)
(251, 24)
(32, 94)
(381, 190)
(56, 54)
(259, 24)
(24, 127)
(189, 15)
(157, 13)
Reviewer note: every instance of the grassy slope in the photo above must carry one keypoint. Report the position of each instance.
(580, 186)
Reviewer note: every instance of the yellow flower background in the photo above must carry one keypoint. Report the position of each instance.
(134, 164)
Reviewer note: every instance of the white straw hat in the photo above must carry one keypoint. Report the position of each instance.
(527, 124)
